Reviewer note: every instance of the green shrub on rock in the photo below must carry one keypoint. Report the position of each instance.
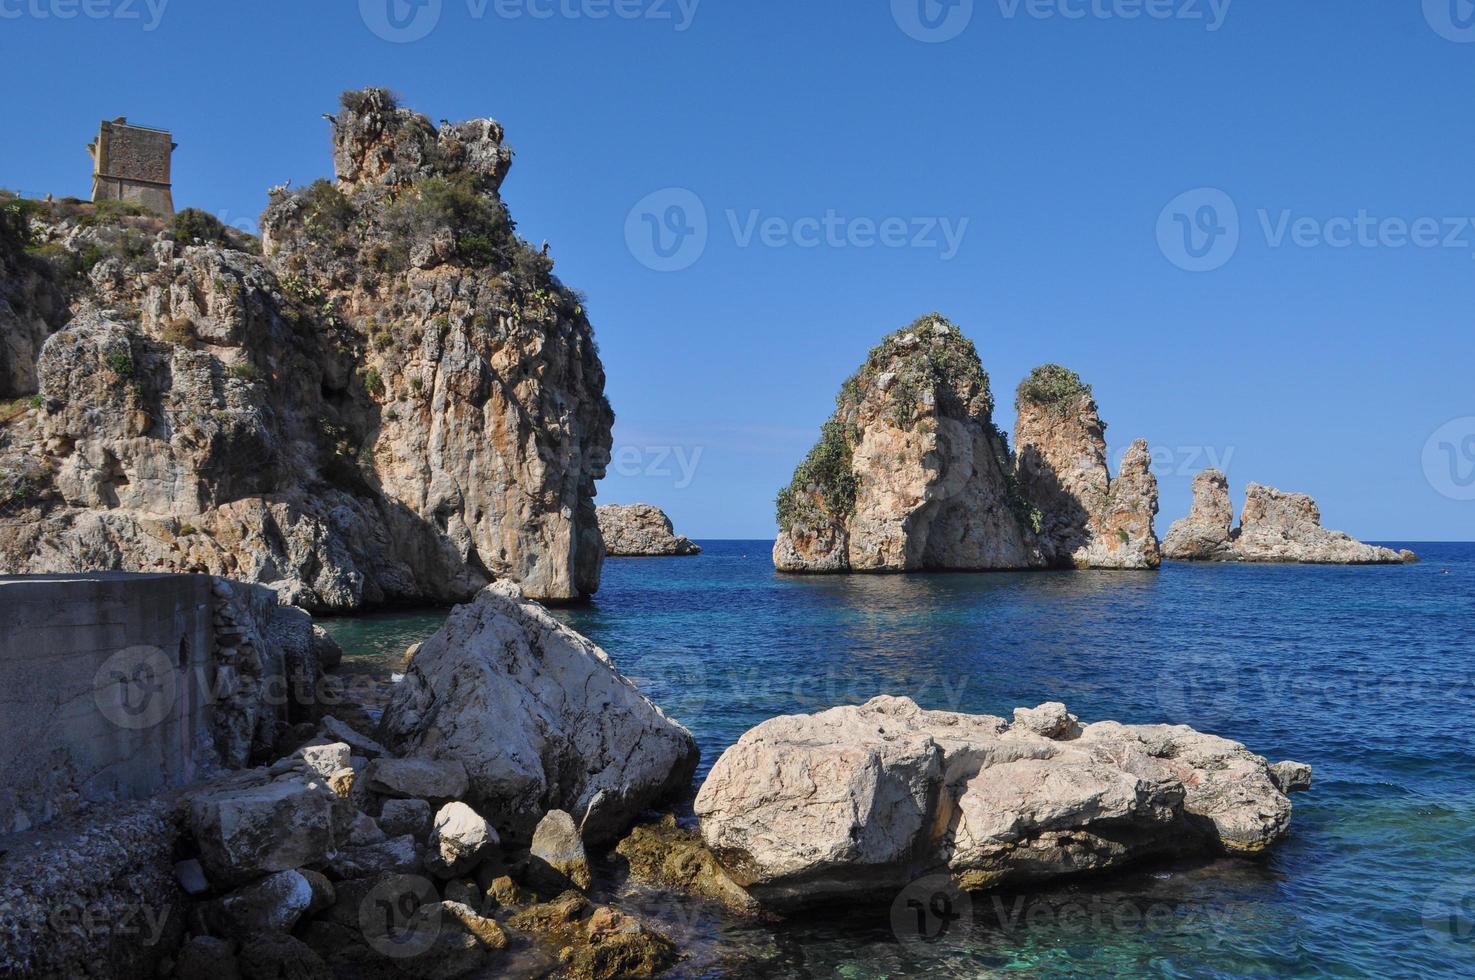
(1051, 386)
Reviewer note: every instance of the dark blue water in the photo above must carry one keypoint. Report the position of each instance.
(1366, 673)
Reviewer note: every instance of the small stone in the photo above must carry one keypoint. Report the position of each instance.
(339, 731)
(207, 958)
(1291, 777)
(558, 854)
(459, 839)
(400, 817)
(274, 903)
(365, 831)
(418, 778)
(191, 877)
(1050, 720)
(342, 782)
(325, 759)
(397, 856)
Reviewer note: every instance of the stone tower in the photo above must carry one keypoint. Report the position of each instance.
(131, 163)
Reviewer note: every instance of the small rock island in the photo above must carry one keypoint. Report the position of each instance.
(1274, 527)
(912, 474)
(641, 531)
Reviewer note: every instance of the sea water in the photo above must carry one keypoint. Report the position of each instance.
(1368, 674)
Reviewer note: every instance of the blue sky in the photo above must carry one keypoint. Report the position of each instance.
(831, 143)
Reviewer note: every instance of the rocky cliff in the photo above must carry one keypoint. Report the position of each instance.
(641, 531)
(397, 401)
(910, 473)
(1274, 527)
(1088, 520)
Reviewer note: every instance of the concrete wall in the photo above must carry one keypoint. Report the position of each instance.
(99, 691)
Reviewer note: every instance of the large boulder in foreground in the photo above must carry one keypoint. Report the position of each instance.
(539, 717)
(860, 800)
(641, 531)
(1275, 526)
(910, 473)
(1087, 519)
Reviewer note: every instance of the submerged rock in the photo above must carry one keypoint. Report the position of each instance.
(641, 531)
(907, 792)
(910, 473)
(397, 402)
(1088, 520)
(539, 717)
(1274, 527)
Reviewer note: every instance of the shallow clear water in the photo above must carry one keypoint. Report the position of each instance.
(1366, 673)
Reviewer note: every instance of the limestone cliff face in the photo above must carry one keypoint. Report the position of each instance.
(1274, 527)
(397, 402)
(1088, 520)
(641, 531)
(910, 472)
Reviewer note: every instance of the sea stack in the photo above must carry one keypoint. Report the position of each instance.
(1088, 520)
(641, 531)
(1275, 526)
(910, 473)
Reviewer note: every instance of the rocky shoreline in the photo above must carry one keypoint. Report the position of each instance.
(514, 761)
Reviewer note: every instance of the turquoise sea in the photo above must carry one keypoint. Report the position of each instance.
(1368, 674)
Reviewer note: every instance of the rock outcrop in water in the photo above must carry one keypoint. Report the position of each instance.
(641, 531)
(910, 473)
(1274, 527)
(908, 792)
(397, 402)
(1088, 520)
(540, 719)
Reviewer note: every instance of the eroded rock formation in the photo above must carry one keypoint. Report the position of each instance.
(397, 402)
(910, 473)
(641, 531)
(1088, 520)
(540, 719)
(1274, 527)
(910, 792)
